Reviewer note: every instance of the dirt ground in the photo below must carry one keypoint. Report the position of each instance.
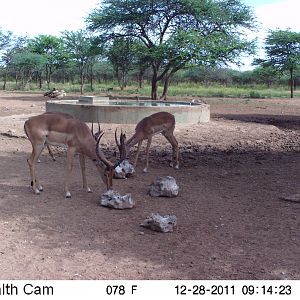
(232, 222)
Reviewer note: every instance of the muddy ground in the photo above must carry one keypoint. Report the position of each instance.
(232, 222)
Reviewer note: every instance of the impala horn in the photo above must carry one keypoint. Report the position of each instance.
(121, 147)
(98, 133)
(100, 154)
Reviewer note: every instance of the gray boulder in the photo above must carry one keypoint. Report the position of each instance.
(113, 199)
(124, 170)
(164, 187)
(160, 223)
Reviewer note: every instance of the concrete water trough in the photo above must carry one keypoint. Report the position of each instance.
(102, 109)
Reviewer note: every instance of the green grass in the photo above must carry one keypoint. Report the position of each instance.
(181, 90)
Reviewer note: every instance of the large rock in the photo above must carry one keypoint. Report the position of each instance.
(160, 223)
(124, 170)
(164, 187)
(113, 199)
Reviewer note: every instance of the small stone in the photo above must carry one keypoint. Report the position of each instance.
(164, 187)
(10, 132)
(292, 198)
(160, 223)
(113, 199)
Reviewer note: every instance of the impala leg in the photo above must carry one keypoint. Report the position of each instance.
(82, 165)
(70, 160)
(50, 152)
(147, 154)
(36, 151)
(137, 153)
(175, 155)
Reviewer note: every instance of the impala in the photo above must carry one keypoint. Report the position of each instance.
(47, 145)
(58, 128)
(95, 134)
(161, 122)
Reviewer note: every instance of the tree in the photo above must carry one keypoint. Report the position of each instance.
(6, 42)
(11, 46)
(25, 64)
(121, 55)
(81, 49)
(51, 47)
(5, 39)
(177, 32)
(282, 53)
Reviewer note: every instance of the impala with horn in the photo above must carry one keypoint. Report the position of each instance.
(58, 128)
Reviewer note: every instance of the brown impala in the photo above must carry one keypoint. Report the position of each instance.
(58, 128)
(161, 122)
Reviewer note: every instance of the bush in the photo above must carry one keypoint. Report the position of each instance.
(256, 95)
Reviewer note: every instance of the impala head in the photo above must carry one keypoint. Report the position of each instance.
(108, 172)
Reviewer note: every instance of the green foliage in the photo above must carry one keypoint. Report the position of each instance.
(47, 45)
(26, 63)
(52, 49)
(282, 53)
(283, 49)
(177, 32)
(5, 39)
(255, 95)
(29, 60)
(82, 50)
(122, 55)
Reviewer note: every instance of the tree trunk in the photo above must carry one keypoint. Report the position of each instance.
(124, 80)
(168, 77)
(154, 83)
(292, 83)
(91, 78)
(81, 78)
(40, 80)
(166, 87)
(16, 79)
(5, 79)
(154, 88)
(47, 76)
(141, 78)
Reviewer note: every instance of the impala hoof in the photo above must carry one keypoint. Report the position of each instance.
(89, 190)
(68, 195)
(37, 192)
(175, 167)
(40, 188)
(145, 170)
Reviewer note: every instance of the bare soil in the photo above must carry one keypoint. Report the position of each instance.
(232, 222)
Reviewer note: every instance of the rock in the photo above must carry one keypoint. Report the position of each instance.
(198, 102)
(164, 187)
(113, 199)
(292, 198)
(10, 132)
(124, 170)
(160, 223)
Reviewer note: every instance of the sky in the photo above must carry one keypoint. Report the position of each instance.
(51, 17)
